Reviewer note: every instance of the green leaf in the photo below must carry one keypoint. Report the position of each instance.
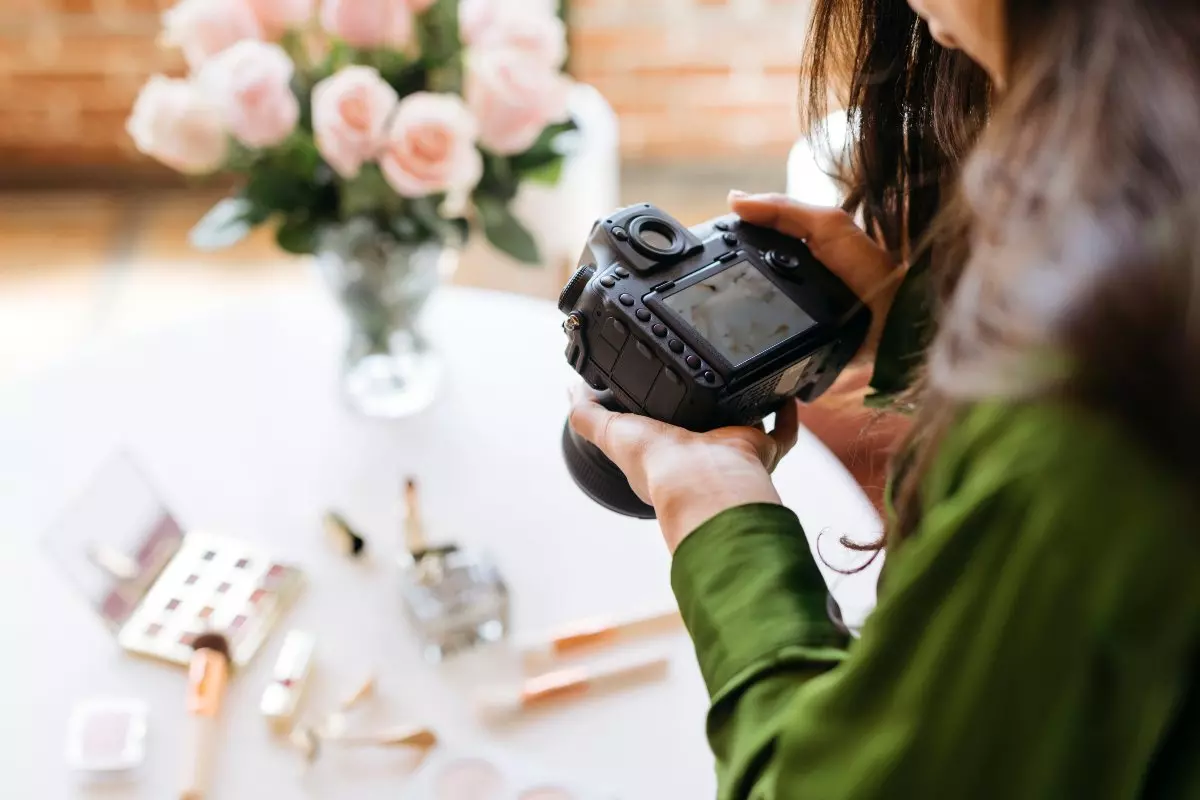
(226, 224)
(545, 149)
(297, 235)
(906, 334)
(548, 174)
(368, 193)
(505, 232)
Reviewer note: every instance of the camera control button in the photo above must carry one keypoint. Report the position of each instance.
(621, 272)
(782, 261)
(643, 315)
(709, 376)
(730, 239)
(608, 282)
(659, 329)
(693, 362)
(620, 234)
(725, 258)
(722, 225)
(615, 332)
(675, 345)
(626, 299)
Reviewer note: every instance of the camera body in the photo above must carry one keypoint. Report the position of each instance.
(705, 327)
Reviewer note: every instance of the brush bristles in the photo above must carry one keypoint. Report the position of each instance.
(212, 641)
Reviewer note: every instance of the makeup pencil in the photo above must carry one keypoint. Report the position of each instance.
(570, 683)
(208, 675)
(590, 635)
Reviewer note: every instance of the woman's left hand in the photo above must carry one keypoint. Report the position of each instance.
(688, 477)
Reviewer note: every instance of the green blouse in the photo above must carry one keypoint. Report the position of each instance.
(1036, 639)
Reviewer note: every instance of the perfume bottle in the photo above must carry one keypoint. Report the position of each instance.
(455, 598)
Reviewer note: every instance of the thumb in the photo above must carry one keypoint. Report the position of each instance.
(791, 217)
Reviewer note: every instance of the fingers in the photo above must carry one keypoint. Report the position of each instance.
(787, 427)
(791, 217)
(621, 437)
(590, 419)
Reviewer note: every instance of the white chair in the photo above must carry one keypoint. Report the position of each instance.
(812, 160)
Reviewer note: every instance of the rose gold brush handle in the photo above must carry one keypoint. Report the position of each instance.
(421, 738)
(197, 766)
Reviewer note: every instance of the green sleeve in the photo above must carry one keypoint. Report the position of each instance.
(1034, 639)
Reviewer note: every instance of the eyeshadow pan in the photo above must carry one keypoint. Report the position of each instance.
(206, 612)
(257, 596)
(153, 629)
(191, 580)
(187, 639)
(224, 587)
(469, 779)
(172, 605)
(237, 622)
(209, 555)
(242, 563)
(276, 571)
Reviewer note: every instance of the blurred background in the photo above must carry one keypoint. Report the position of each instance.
(93, 237)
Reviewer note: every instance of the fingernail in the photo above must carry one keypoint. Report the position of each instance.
(737, 194)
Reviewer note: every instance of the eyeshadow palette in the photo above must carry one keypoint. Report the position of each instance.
(212, 584)
(158, 588)
(492, 775)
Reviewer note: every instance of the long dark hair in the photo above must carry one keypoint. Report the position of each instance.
(1059, 217)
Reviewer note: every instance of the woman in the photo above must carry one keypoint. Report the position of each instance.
(1038, 623)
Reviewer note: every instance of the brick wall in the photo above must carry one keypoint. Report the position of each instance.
(694, 79)
(69, 72)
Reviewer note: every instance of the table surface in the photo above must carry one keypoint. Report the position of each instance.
(238, 420)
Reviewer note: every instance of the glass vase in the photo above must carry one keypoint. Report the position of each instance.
(390, 369)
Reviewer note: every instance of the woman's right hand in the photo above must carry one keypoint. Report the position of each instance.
(863, 439)
(837, 242)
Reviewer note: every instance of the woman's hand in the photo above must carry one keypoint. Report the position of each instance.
(863, 439)
(688, 477)
(837, 242)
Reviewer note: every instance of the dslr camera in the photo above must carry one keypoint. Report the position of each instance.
(700, 327)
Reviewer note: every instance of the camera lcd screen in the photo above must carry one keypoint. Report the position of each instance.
(740, 312)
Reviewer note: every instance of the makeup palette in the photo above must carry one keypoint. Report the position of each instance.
(492, 775)
(158, 588)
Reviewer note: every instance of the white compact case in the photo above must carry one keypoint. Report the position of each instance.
(450, 774)
(107, 736)
(282, 696)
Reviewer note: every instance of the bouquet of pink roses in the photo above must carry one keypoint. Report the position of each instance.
(422, 116)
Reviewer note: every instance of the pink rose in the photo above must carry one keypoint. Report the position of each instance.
(174, 122)
(350, 114)
(431, 147)
(530, 25)
(251, 84)
(277, 16)
(514, 98)
(203, 28)
(369, 24)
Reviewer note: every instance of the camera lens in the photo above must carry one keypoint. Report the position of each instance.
(597, 476)
(655, 237)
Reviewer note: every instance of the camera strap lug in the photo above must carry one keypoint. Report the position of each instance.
(576, 352)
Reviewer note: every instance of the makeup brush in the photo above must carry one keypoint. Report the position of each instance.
(309, 741)
(500, 704)
(208, 675)
(414, 531)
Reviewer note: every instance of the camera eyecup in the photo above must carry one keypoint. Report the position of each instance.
(599, 478)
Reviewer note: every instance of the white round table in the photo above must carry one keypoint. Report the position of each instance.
(239, 423)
